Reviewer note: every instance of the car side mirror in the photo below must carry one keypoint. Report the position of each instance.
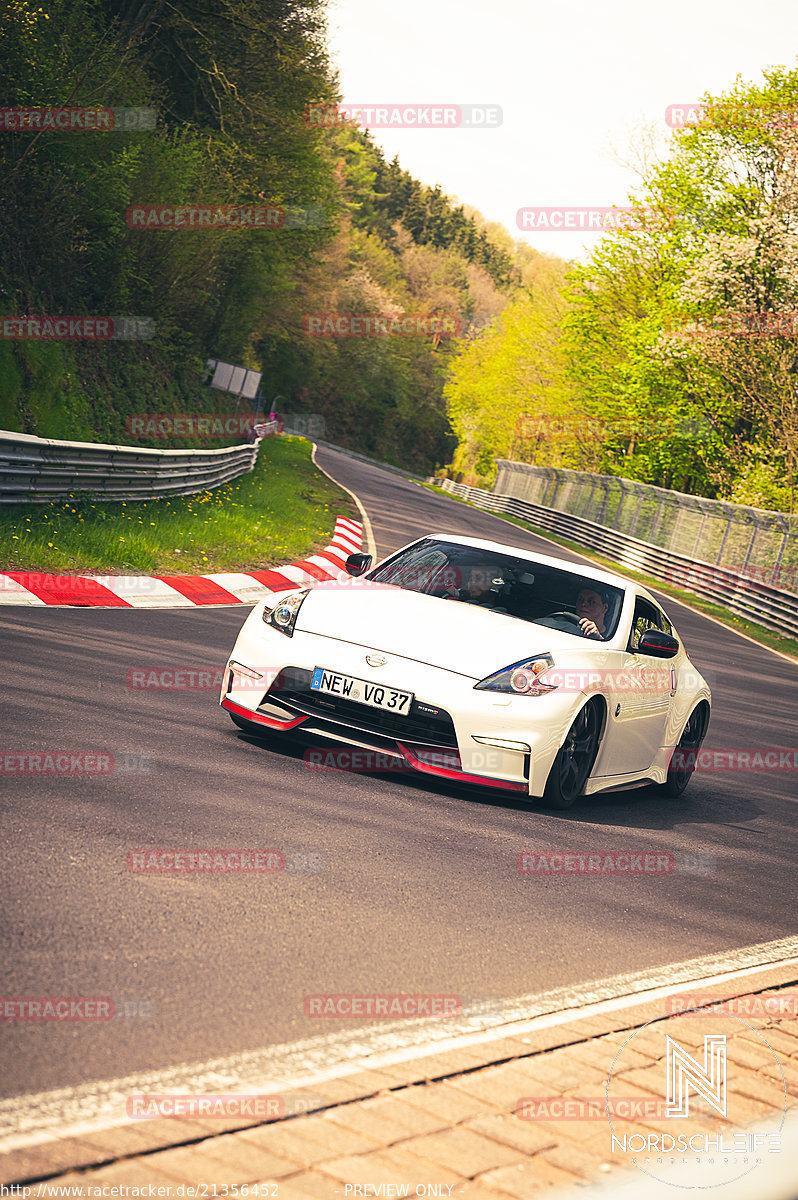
(657, 644)
(356, 564)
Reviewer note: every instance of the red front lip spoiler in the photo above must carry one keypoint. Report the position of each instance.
(258, 718)
(460, 776)
(412, 760)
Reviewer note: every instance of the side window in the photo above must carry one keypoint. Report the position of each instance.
(416, 569)
(646, 617)
(665, 624)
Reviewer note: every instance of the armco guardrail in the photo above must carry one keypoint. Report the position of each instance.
(38, 470)
(745, 595)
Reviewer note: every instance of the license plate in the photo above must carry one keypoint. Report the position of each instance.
(361, 690)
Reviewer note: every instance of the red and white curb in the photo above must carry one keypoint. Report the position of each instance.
(181, 591)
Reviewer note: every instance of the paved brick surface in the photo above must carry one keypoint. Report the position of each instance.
(463, 1151)
(386, 1119)
(527, 1136)
(309, 1140)
(498, 1086)
(444, 1100)
(445, 1124)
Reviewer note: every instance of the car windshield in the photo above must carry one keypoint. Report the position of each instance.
(502, 583)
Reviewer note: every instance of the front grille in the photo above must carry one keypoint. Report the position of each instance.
(420, 727)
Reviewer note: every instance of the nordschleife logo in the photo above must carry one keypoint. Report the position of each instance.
(705, 1132)
(684, 1073)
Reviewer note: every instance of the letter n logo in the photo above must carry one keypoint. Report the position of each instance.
(685, 1073)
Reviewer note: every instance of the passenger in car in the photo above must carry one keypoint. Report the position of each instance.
(591, 608)
(481, 588)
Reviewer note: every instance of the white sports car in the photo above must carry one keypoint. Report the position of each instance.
(480, 663)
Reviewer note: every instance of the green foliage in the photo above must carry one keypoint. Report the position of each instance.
(649, 360)
(10, 389)
(383, 396)
(510, 373)
(663, 328)
(229, 86)
(432, 219)
(230, 83)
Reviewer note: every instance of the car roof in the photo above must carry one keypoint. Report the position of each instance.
(586, 572)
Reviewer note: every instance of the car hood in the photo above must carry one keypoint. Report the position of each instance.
(464, 638)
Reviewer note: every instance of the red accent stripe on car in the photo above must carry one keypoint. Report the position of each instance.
(259, 718)
(460, 776)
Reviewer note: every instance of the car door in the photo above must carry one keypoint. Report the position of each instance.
(639, 700)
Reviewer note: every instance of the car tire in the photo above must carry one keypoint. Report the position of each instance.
(571, 768)
(687, 750)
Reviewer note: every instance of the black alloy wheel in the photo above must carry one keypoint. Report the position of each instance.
(685, 756)
(575, 758)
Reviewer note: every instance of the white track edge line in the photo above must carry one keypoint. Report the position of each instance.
(371, 545)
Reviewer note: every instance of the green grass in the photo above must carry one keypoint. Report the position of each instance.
(282, 511)
(766, 637)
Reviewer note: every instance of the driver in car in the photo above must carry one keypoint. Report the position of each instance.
(591, 609)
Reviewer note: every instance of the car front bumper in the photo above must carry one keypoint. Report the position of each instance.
(495, 740)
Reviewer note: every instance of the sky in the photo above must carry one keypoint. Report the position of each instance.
(576, 82)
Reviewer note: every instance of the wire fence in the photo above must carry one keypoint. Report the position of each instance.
(747, 542)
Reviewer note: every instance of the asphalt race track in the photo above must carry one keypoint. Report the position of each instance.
(393, 885)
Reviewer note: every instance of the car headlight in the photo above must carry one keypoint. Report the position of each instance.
(284, 613)
(523, 678)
